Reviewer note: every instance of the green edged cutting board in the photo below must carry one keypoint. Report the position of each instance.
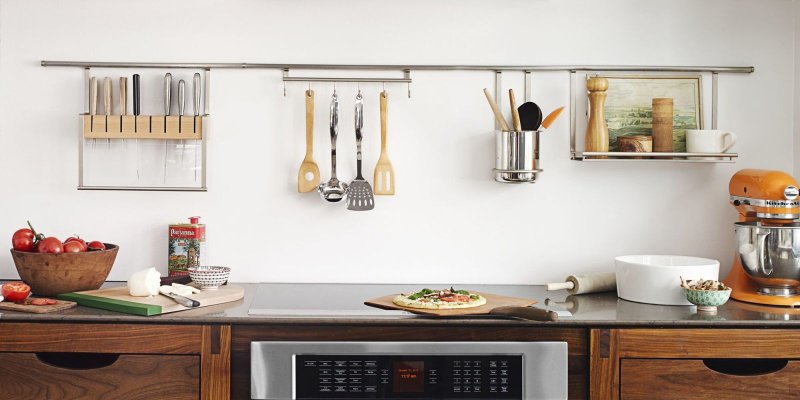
(118, 299)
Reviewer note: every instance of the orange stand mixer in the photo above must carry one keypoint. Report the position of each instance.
(766, 264)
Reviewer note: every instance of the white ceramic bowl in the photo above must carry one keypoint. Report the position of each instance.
(209, 278)
(656, 279)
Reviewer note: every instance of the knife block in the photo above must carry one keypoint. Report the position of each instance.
(188, 127)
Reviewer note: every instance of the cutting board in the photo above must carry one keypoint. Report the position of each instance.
(30, 308)
(118, 299)
(492, 301)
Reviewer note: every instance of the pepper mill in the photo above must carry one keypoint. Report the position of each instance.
(596, 129)
(662, 125)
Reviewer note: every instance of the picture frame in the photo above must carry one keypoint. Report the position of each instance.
(628, 107)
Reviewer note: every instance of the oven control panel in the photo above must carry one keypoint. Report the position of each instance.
(327, 376)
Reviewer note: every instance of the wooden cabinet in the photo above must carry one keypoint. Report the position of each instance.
(694, 363)
(114, 361)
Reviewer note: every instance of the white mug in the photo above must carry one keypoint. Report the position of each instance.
(709, 141)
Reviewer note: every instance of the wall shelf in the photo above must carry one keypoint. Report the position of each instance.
(662, 157)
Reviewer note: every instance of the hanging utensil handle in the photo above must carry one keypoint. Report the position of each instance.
(514, 112)
(181, 97)
(167, 92)
(309, 123)
(196, 94)
(384, 115)
(359, 116)
(136, 95)
(334, 122)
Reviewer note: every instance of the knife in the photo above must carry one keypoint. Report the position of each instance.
(181, 106)
(529, 313)
(136, 111)
(92, 104)
(196, 104)
(167, 104)
(107, 103)
(182, 300)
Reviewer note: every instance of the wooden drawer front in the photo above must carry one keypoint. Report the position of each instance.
(692, 379)
(25, 376)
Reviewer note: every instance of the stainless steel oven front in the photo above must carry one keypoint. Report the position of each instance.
(408, 370)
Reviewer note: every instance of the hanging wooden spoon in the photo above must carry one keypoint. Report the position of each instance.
(308, 175)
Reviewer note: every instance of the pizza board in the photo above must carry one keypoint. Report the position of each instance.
(118, 299)
(492, 301)
(30, 308)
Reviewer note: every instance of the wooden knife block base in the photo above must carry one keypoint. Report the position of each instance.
(188, 127)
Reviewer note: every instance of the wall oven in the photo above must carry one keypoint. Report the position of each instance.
(408, 370)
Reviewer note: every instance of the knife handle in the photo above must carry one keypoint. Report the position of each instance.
(529, 313)
(196, 93)
(107, 96)
(93, 96)
(123, 95)
(167, 93)
(136, 95)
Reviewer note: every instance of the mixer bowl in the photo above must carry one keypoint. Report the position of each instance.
(770, 256)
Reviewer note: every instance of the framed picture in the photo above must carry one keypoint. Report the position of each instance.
(629, 106)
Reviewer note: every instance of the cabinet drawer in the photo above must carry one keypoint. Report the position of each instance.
(98, 376)
(718, 378)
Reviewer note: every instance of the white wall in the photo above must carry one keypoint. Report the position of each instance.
(449, 220)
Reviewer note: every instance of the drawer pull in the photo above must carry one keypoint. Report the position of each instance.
(78, 360)
(746, 366)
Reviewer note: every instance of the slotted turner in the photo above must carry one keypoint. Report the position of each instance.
(359, 195)
(384, 173)
(308, 175)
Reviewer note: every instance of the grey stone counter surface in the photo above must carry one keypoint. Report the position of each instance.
(283, 303)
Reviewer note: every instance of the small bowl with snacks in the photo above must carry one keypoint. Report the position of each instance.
(209, 278)
(707, 295)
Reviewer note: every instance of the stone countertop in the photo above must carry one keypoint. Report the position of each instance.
(589, 310)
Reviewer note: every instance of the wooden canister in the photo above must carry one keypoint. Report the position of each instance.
(662, 125)
(596, 129)
(635, 143)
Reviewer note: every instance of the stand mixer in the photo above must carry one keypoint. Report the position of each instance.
(766, 264)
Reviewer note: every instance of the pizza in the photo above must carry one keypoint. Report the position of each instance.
(444, 299)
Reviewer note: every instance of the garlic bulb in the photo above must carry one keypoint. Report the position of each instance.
(144, 283)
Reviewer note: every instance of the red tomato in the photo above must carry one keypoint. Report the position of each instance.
(50, 245)
(79, 240)
(73, 247)
(96, 245)
(39, 302)
(51, 302)
(23, 240)
(15, 291)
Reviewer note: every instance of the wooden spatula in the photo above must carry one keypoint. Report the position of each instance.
(308, 175)
(552, 117)
(384, 173)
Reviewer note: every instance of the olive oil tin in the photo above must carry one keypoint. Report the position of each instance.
(187, 244)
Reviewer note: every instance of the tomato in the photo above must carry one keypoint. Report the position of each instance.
(50, 245)
(78, 240)
(39, 302)
(15, 291)
(51, 302)
(74, 247)
(96, 245)
(23, 240)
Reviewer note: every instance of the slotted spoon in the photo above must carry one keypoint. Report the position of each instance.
(359, 195)
(308, 175)
(384, 173)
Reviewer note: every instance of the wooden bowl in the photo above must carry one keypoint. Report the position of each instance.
(53, 274)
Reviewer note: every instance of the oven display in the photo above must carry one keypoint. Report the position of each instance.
(408, 377)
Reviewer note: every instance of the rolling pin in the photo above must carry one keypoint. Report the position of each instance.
(589, 283)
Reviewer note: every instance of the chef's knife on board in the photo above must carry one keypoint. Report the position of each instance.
(182, 300)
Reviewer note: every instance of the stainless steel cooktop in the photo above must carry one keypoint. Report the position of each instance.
(326, 299)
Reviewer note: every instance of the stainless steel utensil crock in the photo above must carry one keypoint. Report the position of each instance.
(516, 156)
(770, 256)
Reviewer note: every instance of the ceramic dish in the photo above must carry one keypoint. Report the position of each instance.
(655, 279)
(209, 278)
(707, 300)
